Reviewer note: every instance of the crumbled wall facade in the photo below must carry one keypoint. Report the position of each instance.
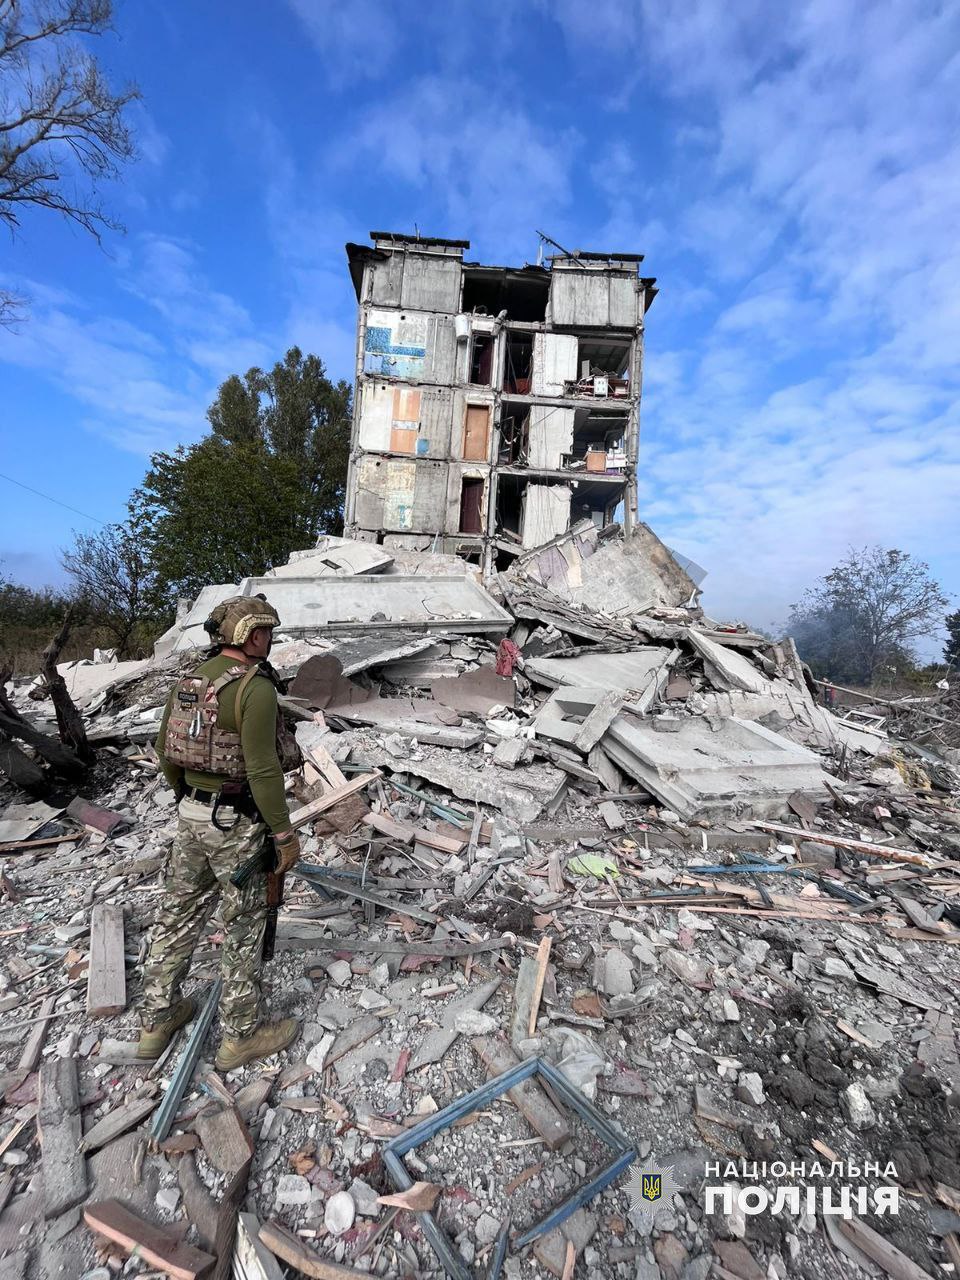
(494, 406)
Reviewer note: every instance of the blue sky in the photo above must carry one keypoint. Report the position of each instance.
(793, 181)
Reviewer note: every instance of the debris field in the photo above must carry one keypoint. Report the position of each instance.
(561, 825)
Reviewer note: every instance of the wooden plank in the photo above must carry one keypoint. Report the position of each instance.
(227, 1221)
(58, 1121)
(324, 762)
(34, 1046)
(406, 832)
(225, 1139)
(539, 1112)
(155, 1245)
(844, 842)
(357, 1033)
(527, 993)
(107, 980)
(300, 817)
(287, 1247)
(14, 846)
(252, 1260)
(915, 913)
(881, 1251)
(116, 1122)
(542, 960)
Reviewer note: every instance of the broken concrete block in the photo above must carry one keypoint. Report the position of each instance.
(551, 1249)
(365, 1198)
(702, 771)
(611, 815)
(856, 1107)
(617, 973)
(293, 1189)
(486, 1230)
(339, 1213)
(509, 752)
(473, 1022)
(317, 1057)
(685, 967)
(339, 972)
(750, 1089)
(821, 855)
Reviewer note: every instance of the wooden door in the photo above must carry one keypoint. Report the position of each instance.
(476, 433)
(471, 506)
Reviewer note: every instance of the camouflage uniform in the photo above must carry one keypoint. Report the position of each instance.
(201, 862)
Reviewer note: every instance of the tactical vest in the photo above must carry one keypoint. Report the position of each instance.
(196, 741)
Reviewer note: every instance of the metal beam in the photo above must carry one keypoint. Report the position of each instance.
(166, 1112)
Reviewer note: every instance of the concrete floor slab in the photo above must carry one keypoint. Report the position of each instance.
(377, 602)
(699, 770)
(639, 674)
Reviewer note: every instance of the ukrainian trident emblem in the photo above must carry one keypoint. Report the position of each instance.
(651, 1186)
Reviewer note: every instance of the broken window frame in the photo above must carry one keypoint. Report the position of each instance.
(624, 1154)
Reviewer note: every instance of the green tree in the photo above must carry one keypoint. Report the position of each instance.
(864, 615)
(951, 650)
(62, 128)
(268, 478)
(113, 582)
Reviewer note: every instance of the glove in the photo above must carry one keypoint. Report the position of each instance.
(288, 851)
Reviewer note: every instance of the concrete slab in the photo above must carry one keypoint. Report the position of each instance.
(726, 669)
(781, 706)
(85, 680)
(622, 574)
(522, 794)
(320, 683)
(334, 558)
(640, 674)
(355, 652)
(379, 602)
(578, 717)
(699, 771)
(475, 692)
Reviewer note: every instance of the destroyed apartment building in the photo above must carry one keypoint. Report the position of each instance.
(595, 894)
(495, 406)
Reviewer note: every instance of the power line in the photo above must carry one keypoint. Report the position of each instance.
(86, 515)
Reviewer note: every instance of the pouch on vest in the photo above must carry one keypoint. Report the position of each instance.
(195, 740)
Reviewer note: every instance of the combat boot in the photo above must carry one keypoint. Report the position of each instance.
(269, 1038)
(154, 1039)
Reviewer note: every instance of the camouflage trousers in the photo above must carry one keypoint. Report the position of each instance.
(202, 861)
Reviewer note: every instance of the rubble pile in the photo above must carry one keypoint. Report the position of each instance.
(565, 827)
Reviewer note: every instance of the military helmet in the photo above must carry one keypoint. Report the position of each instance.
(231, 621)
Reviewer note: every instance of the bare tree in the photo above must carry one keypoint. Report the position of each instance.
(866, 613)
(62, 130)
(111, 577)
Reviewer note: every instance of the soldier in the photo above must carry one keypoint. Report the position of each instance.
(222, 745)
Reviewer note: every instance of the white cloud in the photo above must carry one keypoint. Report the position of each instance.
(498, 173)
(817, 182)
(356, 41)
(146, 385)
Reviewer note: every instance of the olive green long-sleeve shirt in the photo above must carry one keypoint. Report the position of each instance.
(258, 739)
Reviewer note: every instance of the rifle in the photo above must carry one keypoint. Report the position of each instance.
(264, 860)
